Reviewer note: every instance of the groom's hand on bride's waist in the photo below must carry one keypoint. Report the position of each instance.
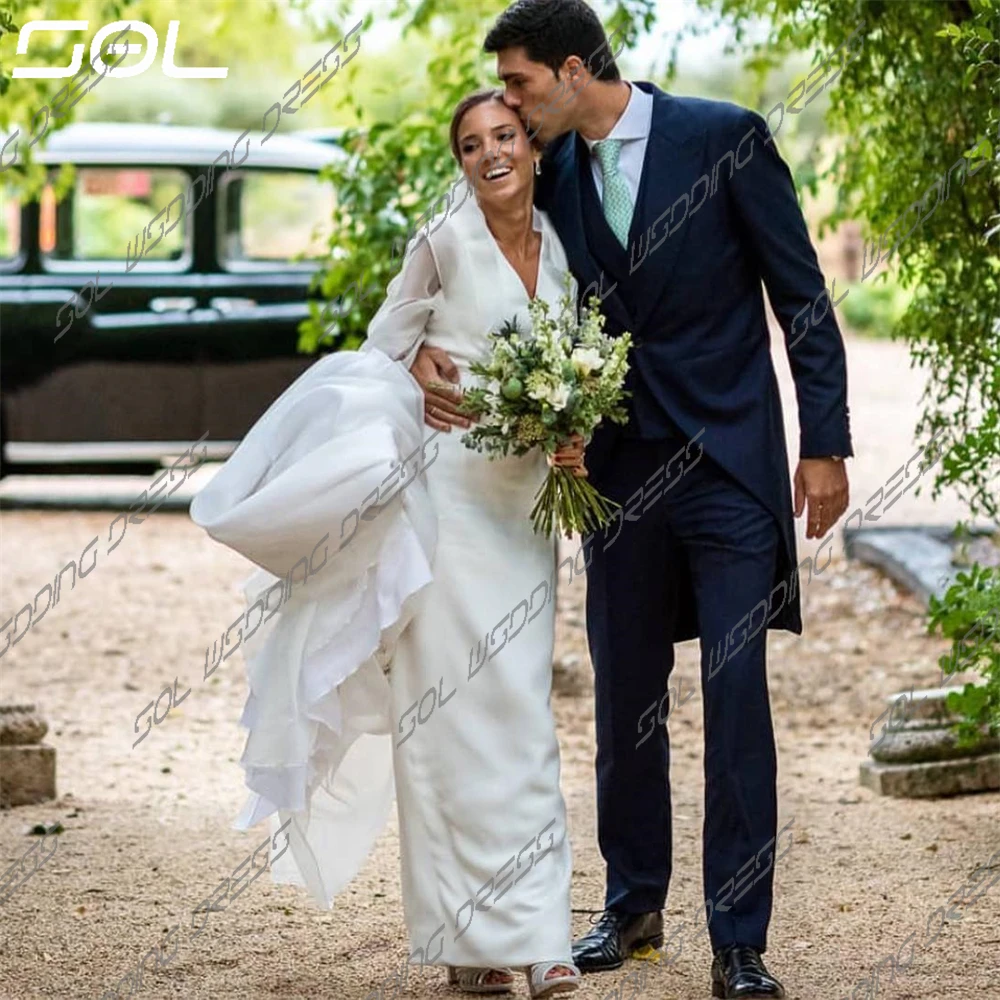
(433, 369)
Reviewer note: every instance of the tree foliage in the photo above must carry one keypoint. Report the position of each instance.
(969, 615)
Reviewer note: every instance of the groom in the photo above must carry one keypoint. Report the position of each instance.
(677, 210)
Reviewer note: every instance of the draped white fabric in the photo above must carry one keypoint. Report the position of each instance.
(389, 559)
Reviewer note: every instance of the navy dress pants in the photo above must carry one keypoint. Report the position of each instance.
(703, 522)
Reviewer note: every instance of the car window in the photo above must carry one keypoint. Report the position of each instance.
(104, 215)
(273, 215)
(10, 223)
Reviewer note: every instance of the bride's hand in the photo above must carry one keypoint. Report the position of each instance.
(570, 454)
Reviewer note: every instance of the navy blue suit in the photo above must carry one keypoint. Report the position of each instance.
(703, 542)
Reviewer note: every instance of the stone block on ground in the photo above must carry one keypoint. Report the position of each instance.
(921, 558)
(918, 754)
(909, 556)
(27, 767)
(922, 709)
(21, 724)
(919, 745)
(920, 728)
(933, 778)
(27, 775)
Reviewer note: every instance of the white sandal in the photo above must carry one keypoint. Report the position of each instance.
(539, 986)
(473, 980)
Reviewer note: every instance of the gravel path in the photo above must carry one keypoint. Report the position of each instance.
(148, 831)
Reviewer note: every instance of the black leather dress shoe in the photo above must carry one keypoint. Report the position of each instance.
(614, 937)
(739, 974)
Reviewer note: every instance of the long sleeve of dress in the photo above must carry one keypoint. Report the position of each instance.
(398, 328)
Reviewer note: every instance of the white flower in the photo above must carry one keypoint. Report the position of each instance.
(539, 386)
(557, 397)
(586, 360)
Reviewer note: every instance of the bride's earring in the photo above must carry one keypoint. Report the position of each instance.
(538, 167)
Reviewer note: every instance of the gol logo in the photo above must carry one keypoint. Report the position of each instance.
(152, 43)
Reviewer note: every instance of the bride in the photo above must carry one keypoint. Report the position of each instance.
(384, 670)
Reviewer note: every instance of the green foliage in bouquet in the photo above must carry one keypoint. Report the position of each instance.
(969, 615)
(540, 388)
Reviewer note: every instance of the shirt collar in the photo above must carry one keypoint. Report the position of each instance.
(635, 121)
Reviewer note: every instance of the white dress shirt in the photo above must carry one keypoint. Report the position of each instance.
(633, 129)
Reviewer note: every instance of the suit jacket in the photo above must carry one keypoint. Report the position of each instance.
(716, 215)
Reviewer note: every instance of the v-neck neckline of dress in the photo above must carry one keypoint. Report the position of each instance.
(538, 227)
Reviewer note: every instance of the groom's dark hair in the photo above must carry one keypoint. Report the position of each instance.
(550, 31)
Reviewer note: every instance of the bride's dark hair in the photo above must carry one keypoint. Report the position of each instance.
(465, 105)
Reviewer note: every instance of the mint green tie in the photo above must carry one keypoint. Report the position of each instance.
(617, 199)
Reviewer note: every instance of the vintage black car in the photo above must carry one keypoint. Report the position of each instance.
(160, 298)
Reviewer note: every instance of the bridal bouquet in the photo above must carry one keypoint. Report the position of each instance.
(540, 388)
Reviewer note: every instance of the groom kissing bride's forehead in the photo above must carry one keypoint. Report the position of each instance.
(547, 54)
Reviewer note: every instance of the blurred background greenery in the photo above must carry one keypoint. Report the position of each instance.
(923, 93)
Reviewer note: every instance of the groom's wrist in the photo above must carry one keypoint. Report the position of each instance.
(835, 446)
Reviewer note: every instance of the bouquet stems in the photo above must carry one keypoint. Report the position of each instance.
(570, 504)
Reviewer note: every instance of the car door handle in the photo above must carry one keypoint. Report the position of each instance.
(226, 304)
(175, 303)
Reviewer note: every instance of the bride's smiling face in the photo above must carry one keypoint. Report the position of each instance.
(495, 154)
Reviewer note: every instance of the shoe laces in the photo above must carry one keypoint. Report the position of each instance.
(601, 918)
(745, 955)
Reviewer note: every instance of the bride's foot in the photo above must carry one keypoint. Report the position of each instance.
(548, 978)
(473, 980)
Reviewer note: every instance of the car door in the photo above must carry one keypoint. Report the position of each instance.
(269, 226)
(98, 347)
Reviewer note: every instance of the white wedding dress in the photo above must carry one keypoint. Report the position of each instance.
(423, 579)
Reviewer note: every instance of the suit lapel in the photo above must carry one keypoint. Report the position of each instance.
(567, 206)
(675, 154)
(642, 205)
